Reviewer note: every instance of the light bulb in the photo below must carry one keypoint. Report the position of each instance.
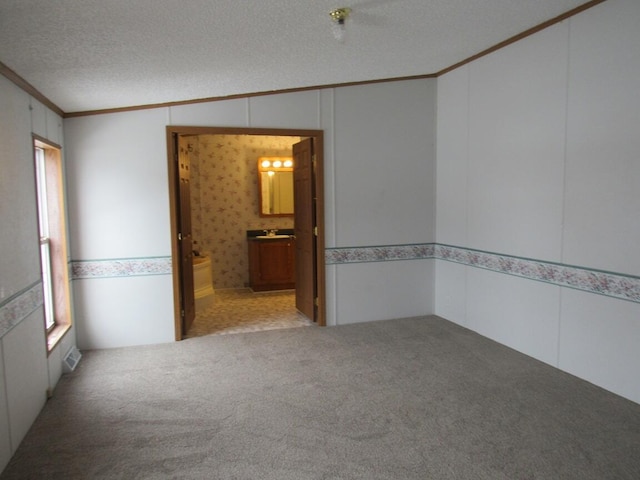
(339, 31)
(277, 164)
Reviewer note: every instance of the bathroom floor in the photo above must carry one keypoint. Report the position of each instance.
(242, 310)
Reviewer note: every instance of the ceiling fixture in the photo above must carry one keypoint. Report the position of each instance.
(339, 17)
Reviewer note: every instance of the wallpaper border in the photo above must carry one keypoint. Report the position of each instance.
(381, 253)
(18, 307)
(611, 284)
(120, 267)
(616, 285)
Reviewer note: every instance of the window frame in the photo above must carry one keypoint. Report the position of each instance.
(53, 245)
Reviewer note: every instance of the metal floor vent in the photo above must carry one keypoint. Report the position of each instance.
(71, 359)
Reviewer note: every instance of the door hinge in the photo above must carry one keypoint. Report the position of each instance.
(315, 231)
(179, 236)
(316, 302)
(182, 313)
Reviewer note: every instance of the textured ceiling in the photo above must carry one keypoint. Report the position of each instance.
(99, 54)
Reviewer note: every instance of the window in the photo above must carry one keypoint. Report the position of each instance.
(53, 241)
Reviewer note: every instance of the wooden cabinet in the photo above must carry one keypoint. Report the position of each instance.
(272, 264)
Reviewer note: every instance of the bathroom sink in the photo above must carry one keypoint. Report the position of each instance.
(270, 237)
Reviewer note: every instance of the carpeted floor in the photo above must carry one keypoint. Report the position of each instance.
(242, 310)
(417, 398)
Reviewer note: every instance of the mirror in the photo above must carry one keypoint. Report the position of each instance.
(275, 185)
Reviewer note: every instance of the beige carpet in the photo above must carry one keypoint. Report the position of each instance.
(242, 310)
(412, 399)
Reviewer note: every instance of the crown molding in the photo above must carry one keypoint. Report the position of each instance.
(28, 88)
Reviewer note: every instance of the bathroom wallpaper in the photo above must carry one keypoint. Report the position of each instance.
(224, 199)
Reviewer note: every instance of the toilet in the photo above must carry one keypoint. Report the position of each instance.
(202, 282)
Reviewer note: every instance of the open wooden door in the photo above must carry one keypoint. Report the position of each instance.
(185, 240)
(309, 219)
(304, 228)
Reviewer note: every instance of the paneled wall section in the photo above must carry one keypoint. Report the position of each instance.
(26, 371)
(537, 158)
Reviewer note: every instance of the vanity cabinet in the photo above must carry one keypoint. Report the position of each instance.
(272, 264)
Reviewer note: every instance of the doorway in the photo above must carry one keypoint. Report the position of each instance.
(309, 265)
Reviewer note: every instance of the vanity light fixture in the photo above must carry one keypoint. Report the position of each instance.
(339, 17)
(276, 164)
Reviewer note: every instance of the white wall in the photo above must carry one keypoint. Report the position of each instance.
(384, 194)
(118, 209)
(538, 158)
(25, 370)
(379, 165)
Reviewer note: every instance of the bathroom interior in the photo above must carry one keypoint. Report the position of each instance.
(232, 207)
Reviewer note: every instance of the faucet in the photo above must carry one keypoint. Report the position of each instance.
(270, 233)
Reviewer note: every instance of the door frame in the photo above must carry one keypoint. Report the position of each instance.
(174, 207)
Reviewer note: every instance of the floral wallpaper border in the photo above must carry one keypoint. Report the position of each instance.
(18, 307)
(616, 285)
(338, 256)
(121, 267)
(621, 286)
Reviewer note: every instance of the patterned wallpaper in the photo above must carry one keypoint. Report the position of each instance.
(224, 199)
